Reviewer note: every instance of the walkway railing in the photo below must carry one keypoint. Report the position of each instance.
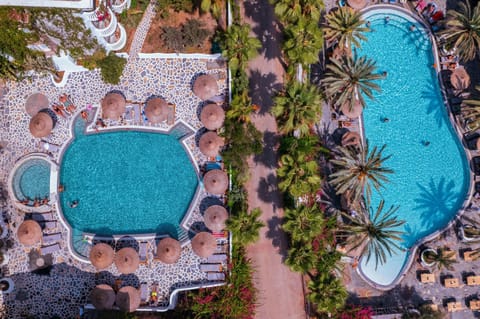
(119, 8)
(120, 42)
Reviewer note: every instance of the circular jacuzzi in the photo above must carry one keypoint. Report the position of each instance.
(30, 180)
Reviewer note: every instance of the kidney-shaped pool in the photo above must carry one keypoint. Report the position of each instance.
(431, 176)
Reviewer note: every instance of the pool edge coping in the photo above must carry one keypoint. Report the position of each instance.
(468, 156)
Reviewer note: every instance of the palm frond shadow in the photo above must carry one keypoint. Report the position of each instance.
(435, 200)
(277, 235)
(268, 192)
(262, 88)
(268, 156)
(429, 94)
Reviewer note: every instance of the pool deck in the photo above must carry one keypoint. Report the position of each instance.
(410, 291)
(70, 281)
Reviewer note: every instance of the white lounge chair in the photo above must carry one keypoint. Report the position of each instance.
(211, 267)
(50, 249)
(51, 238)
(42, 217)
(216, 276)
(49, 147)
(48, 224)
(143, 293)
(217, 258)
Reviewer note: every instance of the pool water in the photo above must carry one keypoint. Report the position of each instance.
(32, 179)
(126, 182)
(431, 176)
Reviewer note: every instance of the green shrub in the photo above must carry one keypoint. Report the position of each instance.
(112, 68)
(194, 32)
(172, 38)
(91, 61)
(175, 5)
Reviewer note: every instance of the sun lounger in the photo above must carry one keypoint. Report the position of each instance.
(42, 217)
(51, 238)
(211, 267)
(216, 64)
(142, 251)
(136, 114)
(217, 258)
(49, 147)
(222, 248)
(143, 293)
(220, 276)
(50, 249)
(217, 98)
(48, 224)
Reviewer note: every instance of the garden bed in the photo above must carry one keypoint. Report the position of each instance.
(154, 43)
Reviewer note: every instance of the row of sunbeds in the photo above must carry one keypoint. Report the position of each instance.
(50, 241)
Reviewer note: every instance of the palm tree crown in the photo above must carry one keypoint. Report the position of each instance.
(375, 236)
(463, 30)
(349, 79)
(346, 26)
(304, 223)
(359, 169)
(245, 226)
(298, 107)
(290, 11)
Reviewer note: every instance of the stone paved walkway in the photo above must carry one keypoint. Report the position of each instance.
(142, 30)
(281, 293)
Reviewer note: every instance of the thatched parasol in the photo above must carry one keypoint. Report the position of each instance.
(168, 250)
(212, 116)
(204, 244)
(102, 297)
(35, 103)
(41, 124)
(210, 144)
(113, 105)
(101, 255)
(460, 79)
(357, 4)
(216, 181)
(355, 112)
(215, 217)
(127, 260)
(351, 138)
(29, 233)
(156, 110)
(128, 299)
(205, 87)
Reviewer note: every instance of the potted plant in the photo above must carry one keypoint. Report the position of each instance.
(442, 258)
(469, 232)
(428, 257)
(6, 285)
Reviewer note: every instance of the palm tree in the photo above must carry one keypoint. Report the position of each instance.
(301, 258)
(375, 236)
(245, 226)
(240, 108)
(299, 175)
(290, 11)
(304, 223)
(298, 107)
(304, 40)
(348, 80)
(359, 170)
(214, 6)
(463, 30)
(442, 258)
(238, 46)
(471, 111)
(327, 293)
(346, 26)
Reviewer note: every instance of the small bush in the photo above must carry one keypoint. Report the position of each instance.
(194, 32)
(112, 68)
(172, 38)
(175, 5)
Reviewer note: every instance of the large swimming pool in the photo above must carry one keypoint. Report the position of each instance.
(126, 182)
(430, 182)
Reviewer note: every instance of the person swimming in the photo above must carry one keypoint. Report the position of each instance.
(425, 143)
(73, 204)
(385, 119)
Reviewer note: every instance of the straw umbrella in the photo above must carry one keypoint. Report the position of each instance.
(168, 250)
(357, 4)
(210, 144)
(204, 244)
(29, 233)
(128, 299)
(35, 103)
(355, 112)
(205, 86)
(216, 181)
(127, 260)
(101, 255)
(212, 116)
(102, 297)
(156, 110)
(215, 217)
(460, 79)
(41, 124)
(113, 105)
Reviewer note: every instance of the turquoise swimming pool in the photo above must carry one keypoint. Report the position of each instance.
(431, 174)
(32, 179)
(126, 182)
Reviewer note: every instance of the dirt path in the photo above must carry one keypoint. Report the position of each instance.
(280, 290)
